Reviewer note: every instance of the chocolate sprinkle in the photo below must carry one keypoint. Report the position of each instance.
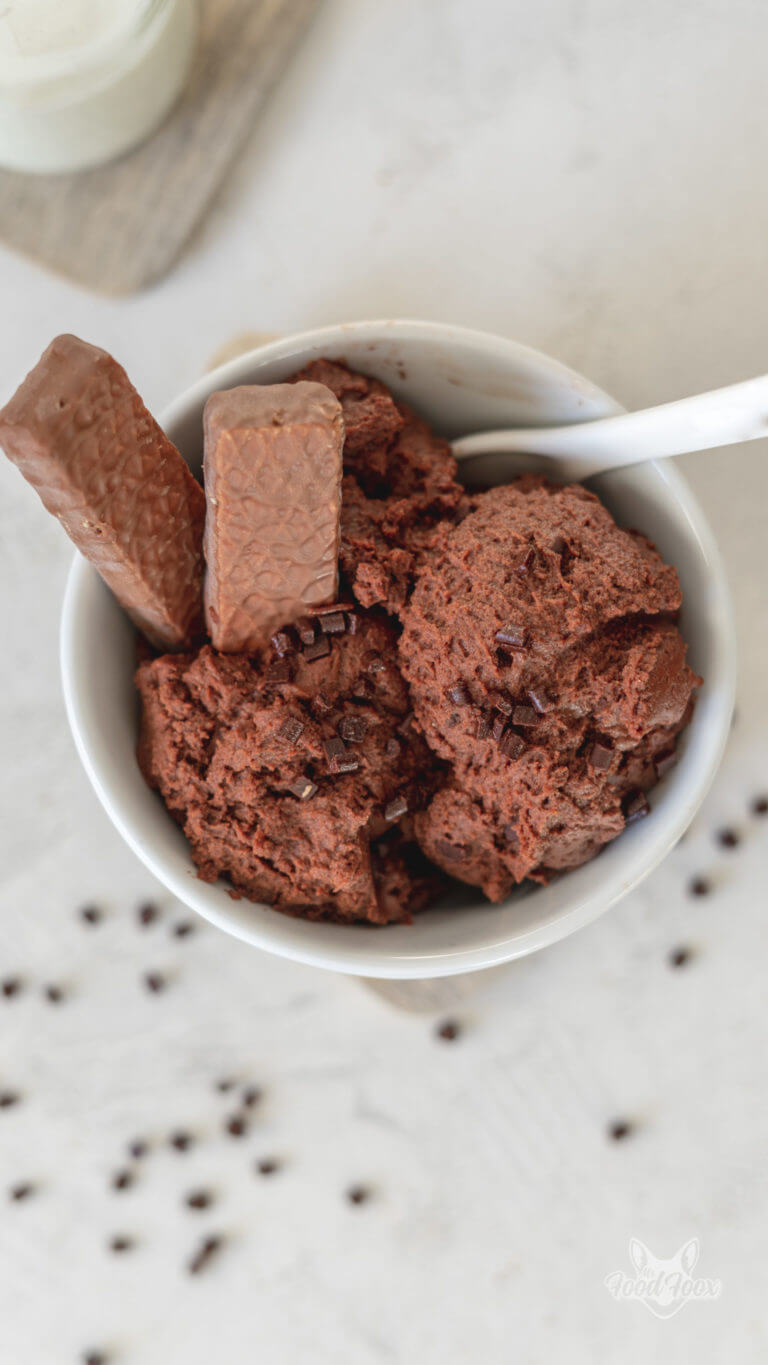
(619, 1130)
(699, 886)
(122, 1180)
(91, 914)
(302, 788)
(394, 748)
(395, 808)
(335, 749)
(24, 1190)
(205, 1253)
(539, 701)
(512, 837)
(121, 1244)
(282, 644)
(181, 1141)
(318, 650)
(449, 852)
(483, 727)
(183, 929)
(760, 805)
(333, 623)
(563, 549)
(358, 1194)
(8, 1098)
(95, 1358)
(353, 623)
(373, 662)
(252, 1095)
(53, 994)
(137, 1149)
(236, 1126)
(306, 631)
(13, 985)
(321, 705)
(405, 724)
(511, 637)
(511, 744)
(154, 982)
(635, 807)
(459, 695)
(291, 729)
(331, 608)
(525, 715)
(728, 838)
(601, 756)
(449, 1030)
(502, 704)
(268, 1165)
(680, 957)
(526, 564)
(147, 913)
(226, 1084)
(353, 728)
(279, 672)
(199, 1199)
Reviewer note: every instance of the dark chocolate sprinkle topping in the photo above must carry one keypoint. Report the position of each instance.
(306, 631)
(291, 729)
(333, 623)
(95, 1358)
(601, 756)
(353, 728)
(525, 715)
(511, 636)
(539, 700)
(502, 704)
(279, 672)
(137, 1149)
(199, 1199)
(459, 695)
(498, 727)
(511, 744)
(635, 807)
(449, 852)
(302, 788)
(318, 650)
(282, 644)
(204, 1254)
(396, 808)
(483, 730)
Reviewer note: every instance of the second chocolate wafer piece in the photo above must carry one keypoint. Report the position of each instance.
(273, 489)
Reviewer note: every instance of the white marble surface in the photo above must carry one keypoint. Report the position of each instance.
(587, 176)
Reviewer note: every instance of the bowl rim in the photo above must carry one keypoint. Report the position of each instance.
(366, 954)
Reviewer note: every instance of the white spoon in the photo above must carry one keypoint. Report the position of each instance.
(720, 418)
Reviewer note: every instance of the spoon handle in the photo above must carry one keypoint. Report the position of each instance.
(722, 417)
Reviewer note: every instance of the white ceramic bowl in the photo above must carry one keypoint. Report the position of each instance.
(461, 381)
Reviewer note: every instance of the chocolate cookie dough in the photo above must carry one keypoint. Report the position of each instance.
(295, 773)
(546, 669)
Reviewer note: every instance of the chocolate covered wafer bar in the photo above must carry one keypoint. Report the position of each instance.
(80, 434)
(273, 489)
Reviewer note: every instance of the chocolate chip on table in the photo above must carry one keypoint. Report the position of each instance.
(620, 1129)
(635, 806)
(95, 1358)
(511, 744)
(302, 788)
(268, 1165)
(728, 838)
(601, 756)
(449, 1030)
(251, 1096)
(291, 730)
(24, 1190)
(204, 1254)
(226, 1084)
(138, 1149)
(333, 623)
(353, 728)
(11, 986)
(121, 1244)
(8, 1098)
(511, 636)
(122, 1180)
(395, 808)
(318, 650)
(459, 694)
(760, 805)
(699, 886)
(147, 913)
(525, 715)
(183, 929)
(154, 982)
(181, 1141)
(680, 957)
(236, 1126)
(91, 914)
(663, 762)
(199, 1199)
(54, 994)
(358, 1194)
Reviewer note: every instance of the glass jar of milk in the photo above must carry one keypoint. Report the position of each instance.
(83, 80)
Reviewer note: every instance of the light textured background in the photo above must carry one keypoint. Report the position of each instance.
(586, 176)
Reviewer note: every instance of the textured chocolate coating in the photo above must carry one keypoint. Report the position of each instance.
(80, 434)
(273, 485)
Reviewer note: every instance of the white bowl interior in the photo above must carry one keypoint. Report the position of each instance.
(460, 381)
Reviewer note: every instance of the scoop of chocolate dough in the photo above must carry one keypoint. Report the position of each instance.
(546, 669)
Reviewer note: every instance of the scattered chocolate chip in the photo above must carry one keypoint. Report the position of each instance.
(334, 748)
(728, 838)
(394, 748)
(183, 929)
(404, 727)
(138, 1149)
(539, 700)
(318, 650)
(154, 982)
(502, 703)
(226, 1084)
(563, 549)
(459, 695)
(333, 623)
(321, 705)
(635, 807)
(483, 730)
(525, 715)
(498, 727)
(396, 808)
(601, 756)
(95, 1358)
(291, 730)
(511, 637)
(512, 837)
(679, 957)
(373, 662)
(91, 914)
(306, 631)
(199, 1199)
(449, 1030)
(663, 762)
(358, 1194)
(449, 852)
(282, 644)
(11, 986)
(236, 1126)
(268, 1165)
(331, 609)
(279, 672)
(511, 744)
(526, 564)
(122, 1180)
(24, 1190)
(121, 1244)
(620, 1129)
(8, 1098)
(302, 788)
(205, 1253)
(181, 1141)
(699, 886)
(353, 728)
(147, 913)
(53, 994)
(252, 1095)
(760, 805)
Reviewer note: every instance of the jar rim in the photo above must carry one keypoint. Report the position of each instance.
(75, 62)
